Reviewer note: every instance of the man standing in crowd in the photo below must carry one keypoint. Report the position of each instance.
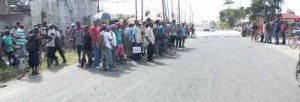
(284, 27)
(78, 39)
(86, 48)
(95, 31)
(33, 45)
(21, 40)
(183, 35)
(107, 58)
(58, 45)
(151, 39)
(51, 46)
(136, 39)
(277, 30)
(173, 31)
(269, 30)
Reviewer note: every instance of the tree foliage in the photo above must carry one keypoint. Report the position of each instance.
(228, 3)
(147, 13)
(266, 9)
(290, 11)
(233, 15)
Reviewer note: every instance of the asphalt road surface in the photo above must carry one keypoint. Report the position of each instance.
(215, 67)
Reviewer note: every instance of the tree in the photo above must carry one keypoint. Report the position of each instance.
(268, 9)
(147, 13)
(228, 3)
(158, 15)
(290, 11)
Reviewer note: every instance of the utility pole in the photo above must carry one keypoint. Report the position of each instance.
(178, 10)
(98, 7)
(190, 12)
(142, 15)
(136, 10)
(172, 10)
(163, 9)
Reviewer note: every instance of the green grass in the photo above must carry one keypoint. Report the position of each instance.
(7, 73)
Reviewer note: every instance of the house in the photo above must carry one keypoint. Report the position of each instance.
(11, 13)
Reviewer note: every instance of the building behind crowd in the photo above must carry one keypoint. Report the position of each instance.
(11, 13)
(62, 12)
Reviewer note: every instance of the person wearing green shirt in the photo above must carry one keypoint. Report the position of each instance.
(8, 42)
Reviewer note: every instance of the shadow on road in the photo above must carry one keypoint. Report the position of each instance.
(33, 79)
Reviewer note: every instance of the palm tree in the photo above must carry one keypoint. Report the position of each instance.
(228, 3)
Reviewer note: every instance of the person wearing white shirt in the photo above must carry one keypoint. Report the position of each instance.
(51, 47)
(107, 59)
(150, 38)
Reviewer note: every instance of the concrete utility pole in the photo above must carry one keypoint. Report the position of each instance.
(172, 10)
(142, 14)
(98, 7)
(136, 10)
(178, 10)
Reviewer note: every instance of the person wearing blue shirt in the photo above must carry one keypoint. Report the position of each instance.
(277, 30)
(183, 34)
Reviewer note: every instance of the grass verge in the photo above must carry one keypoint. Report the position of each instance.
(8, 72)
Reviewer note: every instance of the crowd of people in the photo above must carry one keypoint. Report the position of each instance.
(267, 29)
(107, 44)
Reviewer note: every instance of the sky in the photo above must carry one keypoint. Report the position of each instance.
(203, 10)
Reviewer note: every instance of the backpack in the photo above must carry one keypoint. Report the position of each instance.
(31, 45)
(101, 42)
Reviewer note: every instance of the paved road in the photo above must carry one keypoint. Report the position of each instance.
(216, 67)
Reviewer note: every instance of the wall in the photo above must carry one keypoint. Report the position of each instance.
(58, 12)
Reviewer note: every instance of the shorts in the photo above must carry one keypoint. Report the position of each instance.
(120, 50)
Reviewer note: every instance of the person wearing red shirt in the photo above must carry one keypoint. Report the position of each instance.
(95, 31)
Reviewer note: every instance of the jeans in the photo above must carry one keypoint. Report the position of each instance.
(79, 47)
(173, 39)
(150, 52)
(178, 42)
(107, 56)
(276, 37)
(97, 56)
(269, 37)
(22, 50)
(283, 36)
(51, 54)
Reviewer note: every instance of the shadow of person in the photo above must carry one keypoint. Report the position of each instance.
(33, 78)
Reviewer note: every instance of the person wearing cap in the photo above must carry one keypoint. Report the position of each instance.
(95, 32)
(112, 30)
(21, 40)
(107, 59)
(50, 44)
(86, 48)
(119, 48)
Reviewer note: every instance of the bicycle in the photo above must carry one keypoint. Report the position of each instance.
(167, 47)
(294, 41)
(298, 72)
(21, 66)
